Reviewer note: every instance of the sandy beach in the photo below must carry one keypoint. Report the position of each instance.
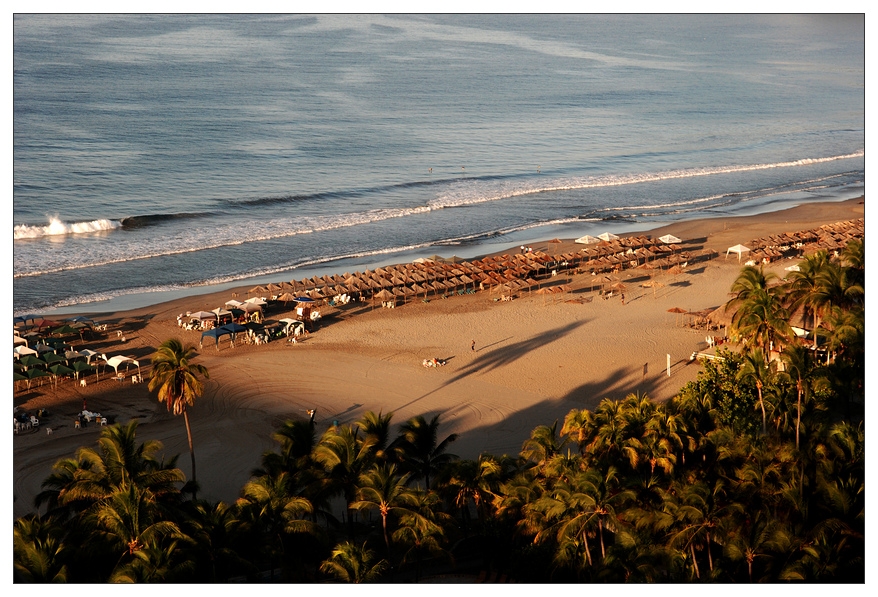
(536, 358)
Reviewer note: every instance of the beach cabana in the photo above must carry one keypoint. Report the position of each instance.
(739, 249)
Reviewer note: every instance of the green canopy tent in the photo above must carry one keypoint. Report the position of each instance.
(82, 367)
(52, 358)
(30, 361)
(60, 370)
(33, 374)
(17, 377)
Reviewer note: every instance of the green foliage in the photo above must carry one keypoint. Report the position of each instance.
(752, 473)
(734, 401)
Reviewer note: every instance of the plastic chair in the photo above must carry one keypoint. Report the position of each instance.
(103, 421)
(76, 424)
(35, 422)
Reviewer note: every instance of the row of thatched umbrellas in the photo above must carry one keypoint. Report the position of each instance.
(414, 279)
(504, 273)
(827, 236)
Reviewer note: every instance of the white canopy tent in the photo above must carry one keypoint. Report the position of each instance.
(669, 239)
(90, 354)
(234, 304)
(20, 351)
(607, 236)
(255, 301)
(587, 240)
(16, 340)
(117, 360)
(739, 249)
(203, 315)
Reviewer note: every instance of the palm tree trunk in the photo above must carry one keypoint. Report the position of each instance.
(709, 556)
(601, 532)
(386, 538)
(694, 561)
(798, 416)
(191, 451)
(587, 550)
(762, 406)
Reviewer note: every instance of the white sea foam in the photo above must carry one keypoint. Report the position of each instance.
(258, 230)
(57, 227)
(462, 195)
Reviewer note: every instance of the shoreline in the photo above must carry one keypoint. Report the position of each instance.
(536, 357)
(530, 237)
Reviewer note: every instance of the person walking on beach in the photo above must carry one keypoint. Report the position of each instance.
(623, 298)
(473, 346)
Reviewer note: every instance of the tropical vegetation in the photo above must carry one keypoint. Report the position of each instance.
(755, 472)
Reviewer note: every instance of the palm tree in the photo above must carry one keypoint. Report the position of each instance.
(798, 367)
(749, 282)
(755, 540)
(802, 287)
(762, 321)
(154, 563)
(214, 550)
(269, 506)
(473, 481)
(699, 516)
(419, 450)
(344, 456)
(78, 483)
(756, 368)
(353, 564)
(176, 382)
(129, 519)
(296, 439)
(421, 528)
(38, 551)
(376, 428)
(579, 426)
(382, 487)
(543, 444)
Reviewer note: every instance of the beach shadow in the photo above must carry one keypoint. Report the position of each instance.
(504, 356)
(493, 344)
(681, 283)
(696, 271)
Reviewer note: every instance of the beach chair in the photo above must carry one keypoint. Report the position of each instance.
(35, 422)
(102, 421)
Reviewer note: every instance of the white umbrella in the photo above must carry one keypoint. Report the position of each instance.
(669, 239)
(587, 240)
(607, 236)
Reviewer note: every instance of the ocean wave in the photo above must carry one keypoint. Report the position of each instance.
(57, 227)
(464, 196)
(459, 193)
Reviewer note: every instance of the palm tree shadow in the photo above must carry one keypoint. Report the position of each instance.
(504, 356)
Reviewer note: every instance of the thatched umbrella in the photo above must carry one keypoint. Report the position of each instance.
(678, 311)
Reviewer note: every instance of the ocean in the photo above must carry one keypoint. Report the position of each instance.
(156, 156)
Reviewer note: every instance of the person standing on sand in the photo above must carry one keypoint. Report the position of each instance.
(623, 298)
(473, 346)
